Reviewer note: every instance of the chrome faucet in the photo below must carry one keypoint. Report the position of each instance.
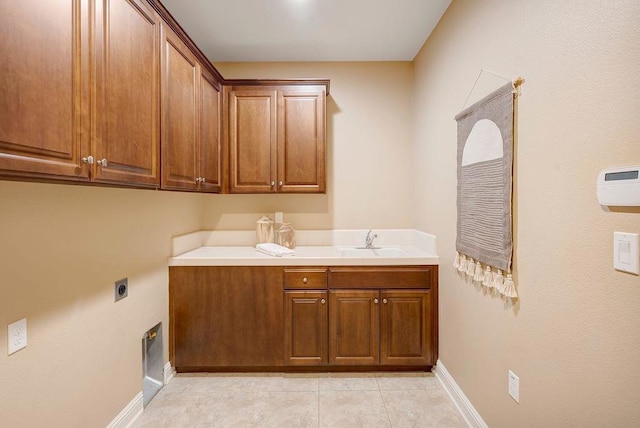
(368, 242)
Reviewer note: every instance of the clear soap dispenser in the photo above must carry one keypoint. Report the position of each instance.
(264, 230)
(286, 236)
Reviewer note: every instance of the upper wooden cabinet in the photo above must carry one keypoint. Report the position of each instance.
(74, 110)
(44, 89)
(301, 140)
(252, 140)
(127, 113)
(191, 150)
(277, 139)
(114, 92)
(180, 78)
(212, 151)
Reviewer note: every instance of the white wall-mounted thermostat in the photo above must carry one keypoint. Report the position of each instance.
(619, 186)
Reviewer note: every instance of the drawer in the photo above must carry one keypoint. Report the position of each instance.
(305, 278)
(383, 277)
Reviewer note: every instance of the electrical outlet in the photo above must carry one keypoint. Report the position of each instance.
(17, 335)
(514, 386)
(121, 288)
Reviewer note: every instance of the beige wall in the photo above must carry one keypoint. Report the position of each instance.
(63, 246)
(573, 337)
(369, 158)
(61, 249)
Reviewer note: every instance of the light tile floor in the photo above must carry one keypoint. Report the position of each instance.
(337, 400)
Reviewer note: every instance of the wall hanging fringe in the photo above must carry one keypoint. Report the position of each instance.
(479, 275)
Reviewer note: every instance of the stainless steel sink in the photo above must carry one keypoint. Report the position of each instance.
(372, 252)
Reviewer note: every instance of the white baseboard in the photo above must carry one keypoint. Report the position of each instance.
(134, 409)
(466, 409)
(129, 414)
(169, 373)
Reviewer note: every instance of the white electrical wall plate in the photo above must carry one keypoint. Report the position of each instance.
(17, 336)
(619, 187)
(626, 256)
(514, 386)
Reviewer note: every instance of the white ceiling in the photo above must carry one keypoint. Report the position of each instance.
(308, 30)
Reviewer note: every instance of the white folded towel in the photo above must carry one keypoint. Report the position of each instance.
(275, 250)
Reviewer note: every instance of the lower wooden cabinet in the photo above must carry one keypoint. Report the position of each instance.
(225, 317)
(406, 327)
(305, 329)
(369, 327)
(354, 327)
(253, 318)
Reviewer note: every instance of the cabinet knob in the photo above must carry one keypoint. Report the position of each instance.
(375, 301)
(305, 280)
(273, 183)
(88, 160)
(384, 301)
(102, 162)
(323, 301)
(203, 180)
(280, 183)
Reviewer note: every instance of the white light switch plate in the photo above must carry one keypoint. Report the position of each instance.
(514, 386)
(626, 256)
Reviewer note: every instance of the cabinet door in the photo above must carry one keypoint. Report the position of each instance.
(252, 140)
(180, 81)
(405, 337)
(127, 111)
(211, 154)
(305, 330)
(301, 140)
(354, 318)
(44, 88)
(226, 317)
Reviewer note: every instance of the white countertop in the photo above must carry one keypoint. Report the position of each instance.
(315, 248)
(305, 256)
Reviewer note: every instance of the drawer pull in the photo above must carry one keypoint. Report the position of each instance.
(305, 280)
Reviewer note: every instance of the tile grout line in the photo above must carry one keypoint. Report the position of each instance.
(383, 403)
(318, 402)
